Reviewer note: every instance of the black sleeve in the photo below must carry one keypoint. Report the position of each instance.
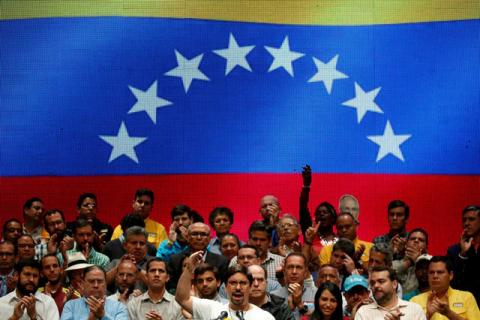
(304, 213)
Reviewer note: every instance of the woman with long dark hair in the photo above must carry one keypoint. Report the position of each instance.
(328, 303)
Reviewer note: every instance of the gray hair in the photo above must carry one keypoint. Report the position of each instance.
(135, 231)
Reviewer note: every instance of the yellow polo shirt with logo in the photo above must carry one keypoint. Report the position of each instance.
(461, 302)
(326, 252)
(156, 232)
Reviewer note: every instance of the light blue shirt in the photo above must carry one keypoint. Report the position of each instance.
(78, 309)
(167, 249)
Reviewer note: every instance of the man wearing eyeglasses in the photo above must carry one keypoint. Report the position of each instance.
(198, 240)
(238, 284)
(7, 261)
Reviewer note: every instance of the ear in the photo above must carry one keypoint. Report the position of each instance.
(395, 285)
(451, 275)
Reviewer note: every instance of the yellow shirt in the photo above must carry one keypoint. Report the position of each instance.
(326, 252)
(156, 232)
(461, 302)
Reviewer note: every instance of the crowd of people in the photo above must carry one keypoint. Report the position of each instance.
(313, 267)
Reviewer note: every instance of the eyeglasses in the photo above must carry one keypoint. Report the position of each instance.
(199, 234)
(286, 225)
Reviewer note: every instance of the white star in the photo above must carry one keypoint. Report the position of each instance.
(123, 144)
(148, 101)
(235, 55)
(327, 72)
(187, 70)
(363, 102)
(283, 57)
(389, 143)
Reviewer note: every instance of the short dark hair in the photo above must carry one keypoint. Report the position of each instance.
(29, 262)
(259, 225)
(144, 192)
(155, 259)
(399, 204)
(49, 255)
(84, 196)
(4, 228)
(132, 220)
(345, 245)
(249, 246)
(220, 211)
(471, 208)
(347, 214)
(179, 210)
(233, 235)
(421, 230)
(28, 203)
(446, 260)
(205, 267)
(296, 254)
(391, 273)
(80, 223)
(51, 212)
(236, 268)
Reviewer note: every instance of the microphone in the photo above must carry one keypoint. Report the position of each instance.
(239, 315)
(223, 315)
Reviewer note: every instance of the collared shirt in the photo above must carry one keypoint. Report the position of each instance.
(78, 310)
(168, 249)
(156, 232)
(116, 296)
(167, 307)
(373, 311)
(461, 302)
(326, 252)
(94, 257)
(271, 263)
(406, 276)
(38, 234)
(44, 305)
(308, 297)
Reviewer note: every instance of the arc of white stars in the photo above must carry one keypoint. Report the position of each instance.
(123, 144)
(187, 70)
(148, 101)
(389, 143)
(327, 73)
(235, 55)
(363, 102)
(283, 57)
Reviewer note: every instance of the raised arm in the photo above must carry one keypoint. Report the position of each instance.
(182, 294)
(304, 213)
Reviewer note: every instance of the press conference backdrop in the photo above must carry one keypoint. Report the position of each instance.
(215, 102)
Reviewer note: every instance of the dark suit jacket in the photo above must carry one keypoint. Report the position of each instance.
(174, 267)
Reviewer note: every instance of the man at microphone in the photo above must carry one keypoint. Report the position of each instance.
(238, 287)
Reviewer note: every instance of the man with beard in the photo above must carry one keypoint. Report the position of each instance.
(387, 305)
(136, 251)
(26, 301)
(53, 274)
(178, 234)
(239, 283)
(84, 238)
(59, 241)
(125, 280)
(94, 305)
(156, 303)
(261, 298)
(7, 271)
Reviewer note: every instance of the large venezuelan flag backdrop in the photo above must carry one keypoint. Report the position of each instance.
(219, 102)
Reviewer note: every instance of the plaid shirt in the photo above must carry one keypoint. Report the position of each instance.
(94, 257)
(271, 263)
